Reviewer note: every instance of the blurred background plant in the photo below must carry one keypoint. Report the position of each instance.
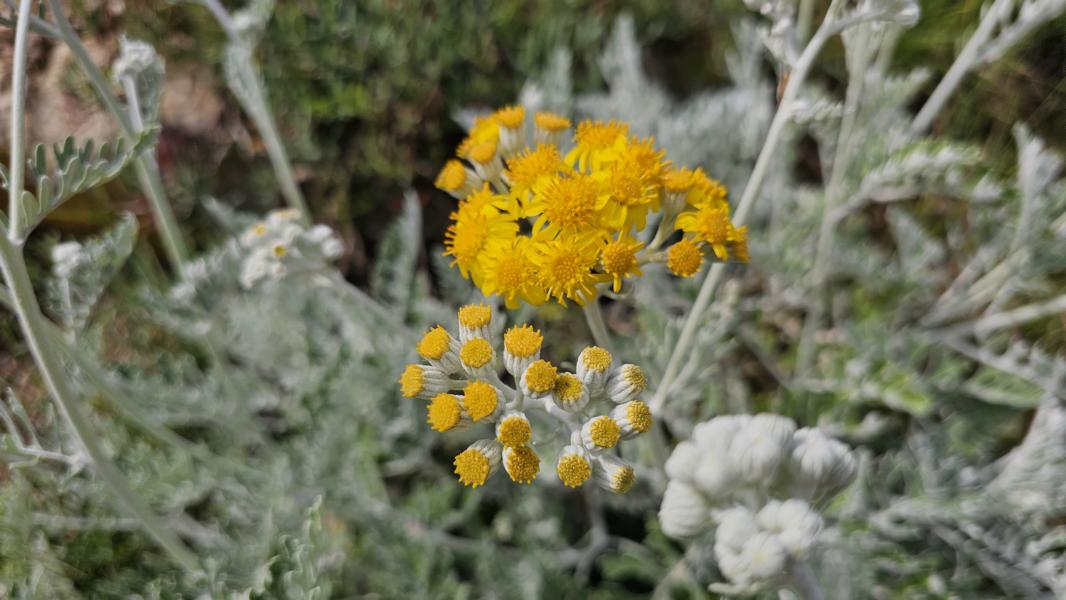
(286, 394)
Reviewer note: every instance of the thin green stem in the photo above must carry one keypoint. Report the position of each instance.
(751, 191)
(253, 98)
(597, 326)
(145, 166)
(833, 197)
(48, 359)
(18, 123)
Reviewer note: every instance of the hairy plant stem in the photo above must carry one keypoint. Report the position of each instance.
(958, 70)
(18, 124)
(597, 326)
(751, 191)
(48, 360)
(834, 195)
(801, 580)
(255, 104)
(145, 165)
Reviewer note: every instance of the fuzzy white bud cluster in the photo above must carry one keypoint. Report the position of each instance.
(282, 243)
(752, 480)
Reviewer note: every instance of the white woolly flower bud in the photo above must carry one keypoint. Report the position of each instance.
(762, 559)
(478, 462)
(683, 462)
(593, 368)
(735, 526)
(633, 418)
(626, 383)
(793, 522)
(820, 465)
(715, 436)
(538, 380)
(684, 511)
(613, 474)
(716, 476)
(323, 238)
(760, 446)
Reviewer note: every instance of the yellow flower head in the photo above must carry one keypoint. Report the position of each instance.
(568, 204)
(521, 463)
(540, 377)
(630, 195)
(412, 381)
(739, 245)
(480, 399)
(592, 139)
(568, 388)
(473, 467)
(522, 341)
(475, 316)
(476, 353)
(619, 259)
(485, 129)
(709, 223)
(684, 258)
(475, 225)
(508, 271)
(510, 117)
(601, 432)
(573, 469)
(530, 167)
(514, 430)
(434, 343)
(452, 177)
(680, 181)
(564, 266)
(551, 122)
(640, 155)
(444, 412)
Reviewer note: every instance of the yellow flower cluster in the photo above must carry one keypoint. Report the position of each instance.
(538, 219)
(462, 385)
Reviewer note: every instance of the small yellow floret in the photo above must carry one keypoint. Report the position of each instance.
(260, 229)
(481, 153)
(476, 353)
(639, 416)
(280, 250)
(444, 412)
(434, 344)
(573, 470)
(623, 479)
(523, 464)
(684, 258)
(541, 376)
(472, 467)
(522, 341)
(480, 400)
(475, 316)
(597, 135)
(514, 431)
(568, 388)
(635, 377)
(551, 122)
(511, 117)
(451, 177)
(596, 359)
(604, 432)
(680, 180)
(412, 381)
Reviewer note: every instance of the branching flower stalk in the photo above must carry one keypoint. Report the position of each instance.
(830, 26)
(147, 171)
(34, 328)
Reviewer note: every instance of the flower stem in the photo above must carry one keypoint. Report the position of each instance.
(13, 267)
(145, 166)
(751, 191)
(597, 326)
(18, 124)
(801, 580)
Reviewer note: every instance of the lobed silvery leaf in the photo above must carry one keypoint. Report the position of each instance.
(77, 170)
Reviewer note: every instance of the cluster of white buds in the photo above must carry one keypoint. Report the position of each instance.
(281, 244)
(461, 381)
(753, 481)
